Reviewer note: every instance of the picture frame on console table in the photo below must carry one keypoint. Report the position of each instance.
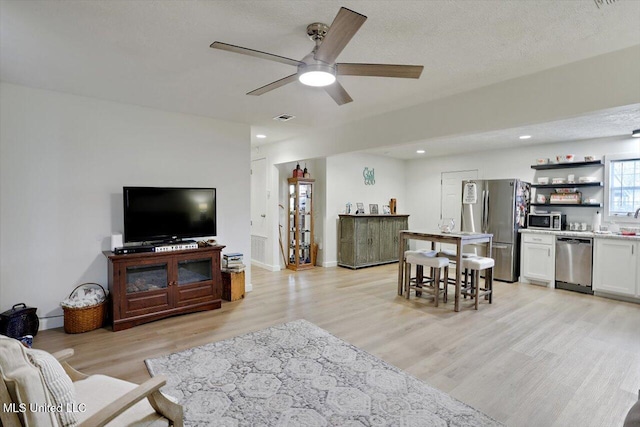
(373, 209)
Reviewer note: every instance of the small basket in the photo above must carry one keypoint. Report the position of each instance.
(84, 319)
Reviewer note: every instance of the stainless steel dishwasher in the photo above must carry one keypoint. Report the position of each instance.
(574, 259)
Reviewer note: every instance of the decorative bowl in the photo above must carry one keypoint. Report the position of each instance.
(566, 190)
(565, 158)
(543, 180)
(446, 225)
(583, 179)
(625, 231)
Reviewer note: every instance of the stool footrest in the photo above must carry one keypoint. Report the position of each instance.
(482, 292)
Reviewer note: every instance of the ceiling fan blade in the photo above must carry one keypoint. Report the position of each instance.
(380, 70)
(255, 53)
(337, 92)
(274, 85)
(342, 29)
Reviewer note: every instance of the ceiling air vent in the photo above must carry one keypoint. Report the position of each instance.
(603, 2)
(284, 117)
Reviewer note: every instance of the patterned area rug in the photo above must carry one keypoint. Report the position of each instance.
(297, 374)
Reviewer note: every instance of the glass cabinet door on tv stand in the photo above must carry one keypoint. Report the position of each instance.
(300, 224)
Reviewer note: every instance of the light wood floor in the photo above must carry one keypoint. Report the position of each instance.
(535, 357)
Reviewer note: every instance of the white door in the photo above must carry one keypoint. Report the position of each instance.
(259, 198)
(451, 196)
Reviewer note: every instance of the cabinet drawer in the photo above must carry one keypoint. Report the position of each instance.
(146, 302)
(545, 239)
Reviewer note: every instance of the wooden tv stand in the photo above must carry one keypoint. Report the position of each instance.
(151, 286)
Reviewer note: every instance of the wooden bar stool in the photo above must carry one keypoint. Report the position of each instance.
(473, 289)
(451, 256)
(426, 259)
(419, 268)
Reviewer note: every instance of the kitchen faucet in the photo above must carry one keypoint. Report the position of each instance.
(637, 211)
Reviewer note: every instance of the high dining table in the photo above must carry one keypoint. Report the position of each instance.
(460, 239)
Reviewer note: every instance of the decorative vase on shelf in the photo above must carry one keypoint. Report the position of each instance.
(392, 206)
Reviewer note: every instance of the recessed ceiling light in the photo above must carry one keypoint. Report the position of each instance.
(525, 136)
(420, 151)
(261, 136)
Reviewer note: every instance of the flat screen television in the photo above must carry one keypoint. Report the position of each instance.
(168, 213)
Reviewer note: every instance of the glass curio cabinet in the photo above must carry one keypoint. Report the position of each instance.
(300, 227)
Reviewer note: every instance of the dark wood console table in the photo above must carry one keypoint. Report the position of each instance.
(151, 286)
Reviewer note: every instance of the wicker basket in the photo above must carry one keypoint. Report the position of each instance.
(84, 319)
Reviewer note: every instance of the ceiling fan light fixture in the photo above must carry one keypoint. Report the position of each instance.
(317, 75)
(319, 67)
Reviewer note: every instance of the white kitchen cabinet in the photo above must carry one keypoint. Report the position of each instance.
(616, 266)
(538, 259)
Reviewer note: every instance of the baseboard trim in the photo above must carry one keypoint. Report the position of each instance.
(616, 296)
(248, 287)
(266, 266)
(330, 264)
(524, 280)
(51, 322)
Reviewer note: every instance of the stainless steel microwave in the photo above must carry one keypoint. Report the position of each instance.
(546, 221)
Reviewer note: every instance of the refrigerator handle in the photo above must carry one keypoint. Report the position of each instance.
(484, 207)
(485, 210)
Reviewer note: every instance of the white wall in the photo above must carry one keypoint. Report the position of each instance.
(339, 180)
(424, 185)
(416, 183)
(63, 162)
(345, 183)
(320, 189)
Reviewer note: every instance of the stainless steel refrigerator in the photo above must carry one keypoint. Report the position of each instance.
(499, 207)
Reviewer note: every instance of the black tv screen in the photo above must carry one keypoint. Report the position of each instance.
(156, 214)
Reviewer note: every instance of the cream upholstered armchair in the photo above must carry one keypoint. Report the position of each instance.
(41, 389)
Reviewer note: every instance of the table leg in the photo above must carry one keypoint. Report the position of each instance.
(456, 306)
(401, 246)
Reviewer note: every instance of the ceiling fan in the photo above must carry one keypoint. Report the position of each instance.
(319, 68)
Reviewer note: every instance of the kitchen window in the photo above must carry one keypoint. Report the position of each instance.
(622, 191)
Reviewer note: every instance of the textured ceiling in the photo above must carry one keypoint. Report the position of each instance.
(598, 124)
(156, 53)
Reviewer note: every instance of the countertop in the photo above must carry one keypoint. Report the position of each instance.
(375, 215)
(580, 234)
